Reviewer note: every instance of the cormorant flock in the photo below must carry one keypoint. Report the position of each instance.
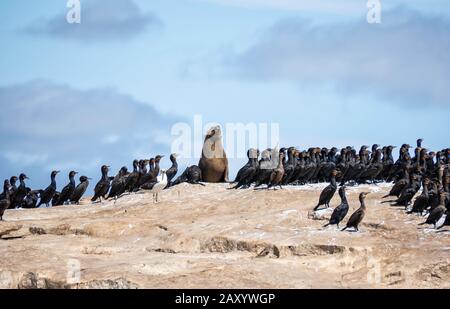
(426, 170)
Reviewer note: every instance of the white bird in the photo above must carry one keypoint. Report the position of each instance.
(159, 186)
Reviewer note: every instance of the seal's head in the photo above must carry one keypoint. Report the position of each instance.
(214, 133)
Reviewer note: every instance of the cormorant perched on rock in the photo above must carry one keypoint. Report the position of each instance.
(160, 185)
(12, 190)
(6, 200)
(328, 192)
(3, 194)
(31, 198)
(173, 170)
(118, 184)
(358, 215)
(243, 169)
(419, 142)
(374, 168)
(403, 160)
(80, 190)
(388, 162)
(247, 173)
(55, 199)
(341, 211)
(142, 172)
(313, 164)
(276, 176)
(330, 164)
(299, 169)
(265, 168)
(102, 187)
(408, 192)
(444, 201)
(374, 150)
(433, 195)
(149, 179)
(133, 177)
(421, 201)
(20, 193)
(438, 212)
(289, 166)
(192, 175)
(398, 187)
(47, 195)
(67, 191)
(364, 154)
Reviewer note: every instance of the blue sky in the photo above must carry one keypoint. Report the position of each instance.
(110, 90)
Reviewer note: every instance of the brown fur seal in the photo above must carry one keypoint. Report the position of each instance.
(214, 162)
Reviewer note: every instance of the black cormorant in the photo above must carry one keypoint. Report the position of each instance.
(247, 173)
(133, 177)
(31, 198)
(55, 199)
(12, 190)
(438, 212)
(192, 175)
(276, 177)
(358, 215)
(421, 202)
(80, 190)
(21, 192)
(328, 192)
(173, 170)
(67, 191)
(102, 187)
(6, 200)
(118, 184)
(341, 211)
(47, 195)
(248, 165)
(398, 187)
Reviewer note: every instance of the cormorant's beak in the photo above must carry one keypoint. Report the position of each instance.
(176, 155)
(108, 166)
(89, 178)
(57, 172)
(26, 177)
(76, 173)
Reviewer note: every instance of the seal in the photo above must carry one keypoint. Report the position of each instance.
(214, 162)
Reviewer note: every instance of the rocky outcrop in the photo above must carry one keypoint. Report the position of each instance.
(199, 237)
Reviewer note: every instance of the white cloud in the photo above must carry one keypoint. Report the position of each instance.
(17, 157)
(405, 59)
(111, 139)
(45, 126)
(112, 20)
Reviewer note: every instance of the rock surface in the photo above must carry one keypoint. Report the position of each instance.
(210, 237)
